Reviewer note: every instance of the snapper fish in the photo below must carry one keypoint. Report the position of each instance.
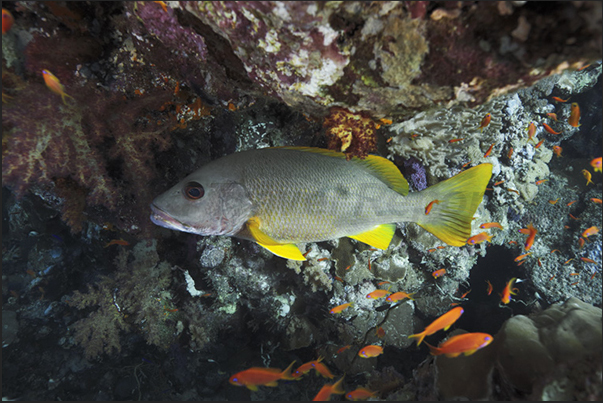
(284, 196)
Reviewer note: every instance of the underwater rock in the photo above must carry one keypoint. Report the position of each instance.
(527, 352)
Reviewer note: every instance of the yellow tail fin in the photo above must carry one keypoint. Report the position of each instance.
(456, 198)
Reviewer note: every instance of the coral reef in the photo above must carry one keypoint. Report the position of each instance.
(350, 133)
(100, 304)
(527, 351)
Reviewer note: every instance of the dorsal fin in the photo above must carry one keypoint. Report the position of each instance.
(379, 167)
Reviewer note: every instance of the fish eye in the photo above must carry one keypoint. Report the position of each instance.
(193, 191)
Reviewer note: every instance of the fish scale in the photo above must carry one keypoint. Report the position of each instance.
(321, 202)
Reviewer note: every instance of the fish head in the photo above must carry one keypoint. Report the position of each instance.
(207, 202)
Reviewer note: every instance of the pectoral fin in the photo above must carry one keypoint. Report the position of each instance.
(288, 251)
(379, 237)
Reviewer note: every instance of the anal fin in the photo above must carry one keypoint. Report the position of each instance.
(379, 237)
(288, 251)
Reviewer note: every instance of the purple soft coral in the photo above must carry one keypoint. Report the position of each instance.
(415, 174)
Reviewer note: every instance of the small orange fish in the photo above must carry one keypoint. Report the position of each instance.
(531, 131)
(490, 288)
(572, 217)
(587, 260)
(587, 176)
(557, 150)
(539, 144)
(467, 344)
(549, 129)
(499, 182)
(438, 273)
(342, 349)
(531, 231)
(360, 393)
(430, 206)
(552, 116)
(370, 351)
(7, 20)
(340, 308)
(491, 225)
(510, 153)
(54, 85)
(567, 261)
(443, 322)
(378, 294)
(485, 122)
(323, 371)
(590, 231)
(258, 376)
(521, 257)
(162, 4)
(117, 242)
(574, 117)
(479, 238)
(455, 140)
(596, 164)
(399, 296)
(487, 154)
(380, 332)
(508, 291)
(431, 250)
(440, 247)
(595, 200)
(581, 242)
(324, 394)
(560, 100)
(553, 201)
(570, 203)
(541, 181)
(465, 165)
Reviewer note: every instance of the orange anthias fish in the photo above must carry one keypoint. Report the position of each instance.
(531, 231)
(552, 116)
(531, 130)
(360, 393)
(560, 100)
(508, 291)
(430, 206)
(590, 231)
(491, 225)
(399, 296)
(378, 294)
(467, 344)
(258, 376)
(549, 129)
(117, 242)
(443, 322)
(490, 288)
(487, 154)
(7, 20)
(340, 308)
(479, 238)
(587, 176)
(53, 83)
(485, 122)
(438, 273)
(574, 117)
(324, 394)
(370, 351)
(305, 368)
(557, 150)
(596, 164)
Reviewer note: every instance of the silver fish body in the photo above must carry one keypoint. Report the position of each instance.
(291, 195)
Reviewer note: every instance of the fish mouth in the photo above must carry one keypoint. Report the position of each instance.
(163, 219)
